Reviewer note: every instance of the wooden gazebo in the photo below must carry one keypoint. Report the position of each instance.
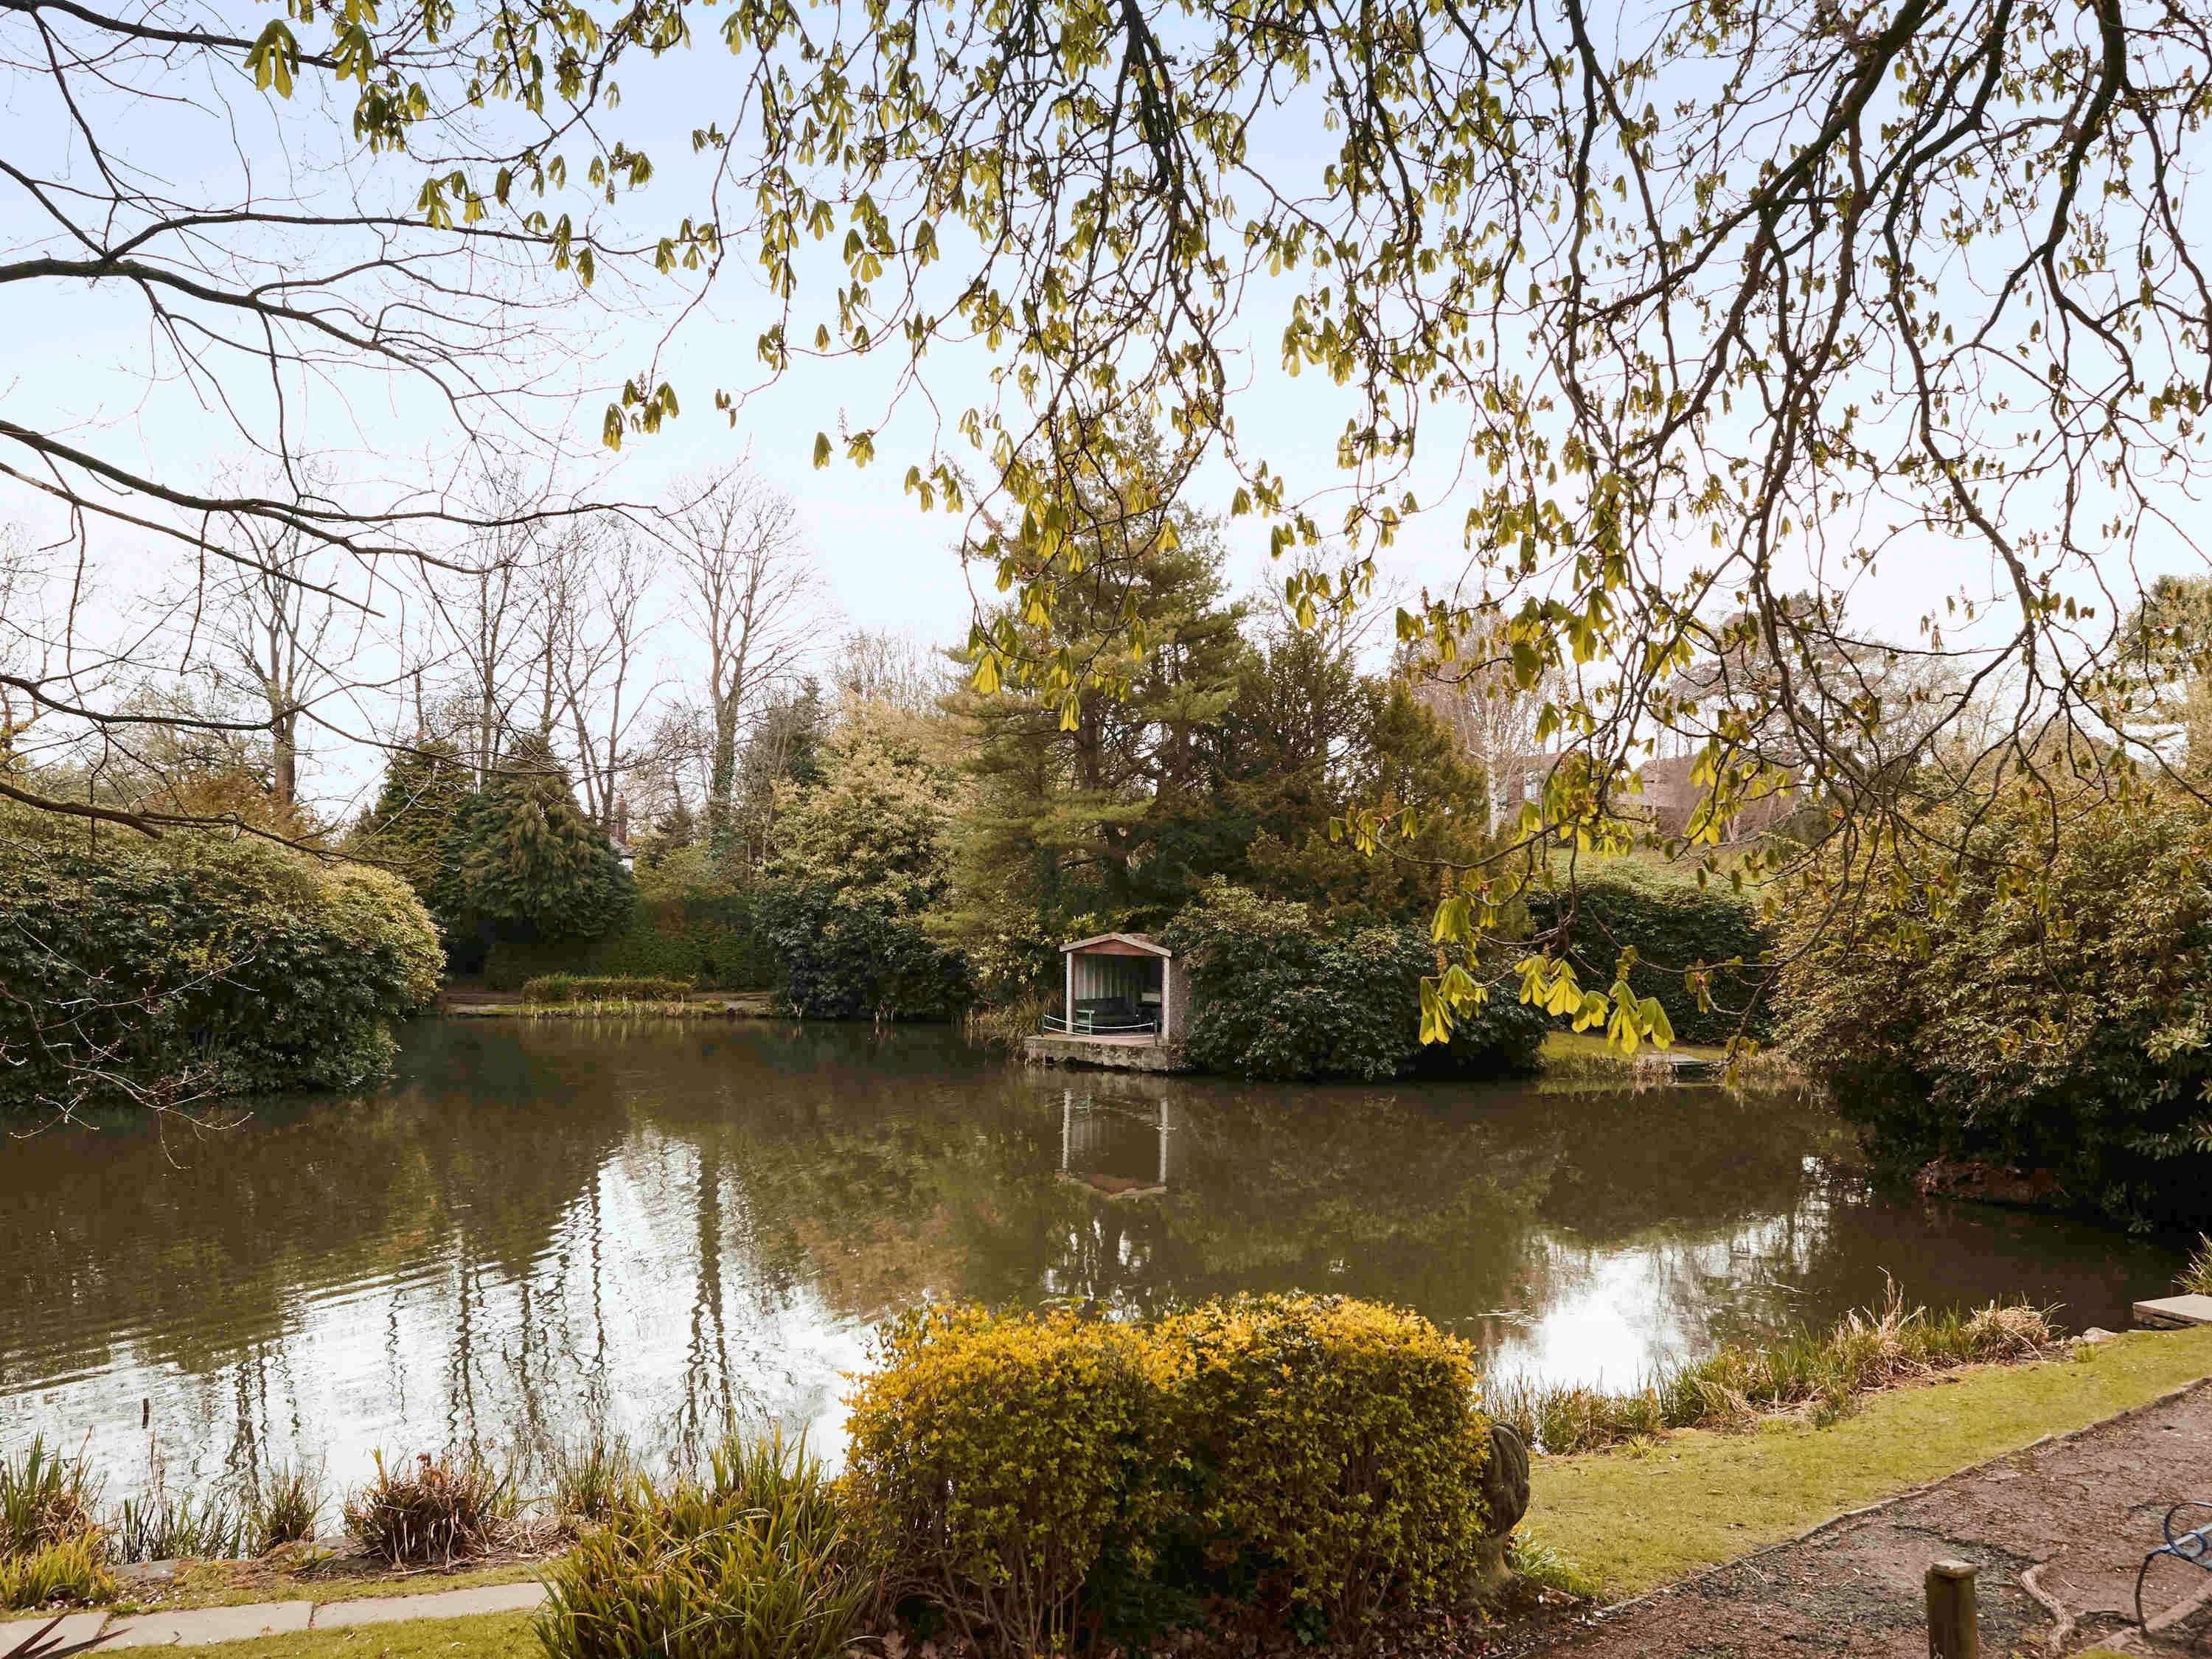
(1121, 987)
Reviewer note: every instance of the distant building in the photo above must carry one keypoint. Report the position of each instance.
(1669, 799)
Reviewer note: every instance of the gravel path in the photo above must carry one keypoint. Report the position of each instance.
(2059, 1531)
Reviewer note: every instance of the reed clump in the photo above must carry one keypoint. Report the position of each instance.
(284, 1507)
(53, 1551)
(1824, 1374)
(45, 1497)
(592, 1480)
(72, 1571)
(2197, 1277)
(433, 1511)
(755, 1561)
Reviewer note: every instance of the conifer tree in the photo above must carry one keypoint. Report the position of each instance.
(1109, 817)
(529, 863)
(425, 787)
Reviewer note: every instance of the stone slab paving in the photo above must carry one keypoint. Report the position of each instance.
(200, 1627)
(78, 1627)
(2171, 1312)
(450, 1604)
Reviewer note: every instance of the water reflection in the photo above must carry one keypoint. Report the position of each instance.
(538, 1229)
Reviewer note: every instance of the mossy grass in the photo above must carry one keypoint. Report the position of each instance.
(242, 1583)
(1641, 1515)
(621, 1008)
(553, 988)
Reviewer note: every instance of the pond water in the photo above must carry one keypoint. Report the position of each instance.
(537, 1229)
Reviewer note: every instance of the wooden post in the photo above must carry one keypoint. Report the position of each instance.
(1954, 1620)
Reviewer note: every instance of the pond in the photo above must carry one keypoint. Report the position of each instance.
(537, 1231)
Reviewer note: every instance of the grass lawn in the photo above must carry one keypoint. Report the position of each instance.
(1642, 1516)
(240, 1583)
(489, 1636)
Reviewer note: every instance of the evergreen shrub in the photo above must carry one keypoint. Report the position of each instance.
(1331, 1450)
(993, 1461)
(716, 942)
(1673, 924)
(521, 861)
(1033, 1473)
(1282, 995)
(145, 971)
(845, 960)
(2041, 1018)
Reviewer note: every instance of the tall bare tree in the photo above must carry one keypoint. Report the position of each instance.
(604, 696)
(273, 615)
(755, 597)
(294, 289)
(876, 664)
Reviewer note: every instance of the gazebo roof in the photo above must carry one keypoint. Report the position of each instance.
(1117, 944)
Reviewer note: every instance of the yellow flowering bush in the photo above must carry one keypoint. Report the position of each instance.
(1320, 1454)
(994, 1459)
(1332, 1449)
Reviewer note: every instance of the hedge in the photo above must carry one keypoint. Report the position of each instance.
(1673, 923)
(144, 972)
(552, 989)
(1281, 994)
(1320, 1458)
(717, 943)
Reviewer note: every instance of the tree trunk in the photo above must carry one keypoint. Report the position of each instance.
(721, 782)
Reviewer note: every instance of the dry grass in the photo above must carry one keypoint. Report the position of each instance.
(432, 1512)
(1822, 1376)
(2197, 1277)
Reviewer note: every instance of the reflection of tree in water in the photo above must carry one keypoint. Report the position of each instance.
(196, 1254)
(1371, 1194)
(1717, 1204)
(542, 1231)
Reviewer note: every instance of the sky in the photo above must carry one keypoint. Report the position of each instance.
(85, 361)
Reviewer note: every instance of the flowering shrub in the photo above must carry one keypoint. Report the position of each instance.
(1029, 1473)
(994, 1459)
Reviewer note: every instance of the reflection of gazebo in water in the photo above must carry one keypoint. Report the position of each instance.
(1115, 1147)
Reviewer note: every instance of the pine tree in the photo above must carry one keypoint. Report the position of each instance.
(1111, 821)
(425, 786)
(529, 864)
